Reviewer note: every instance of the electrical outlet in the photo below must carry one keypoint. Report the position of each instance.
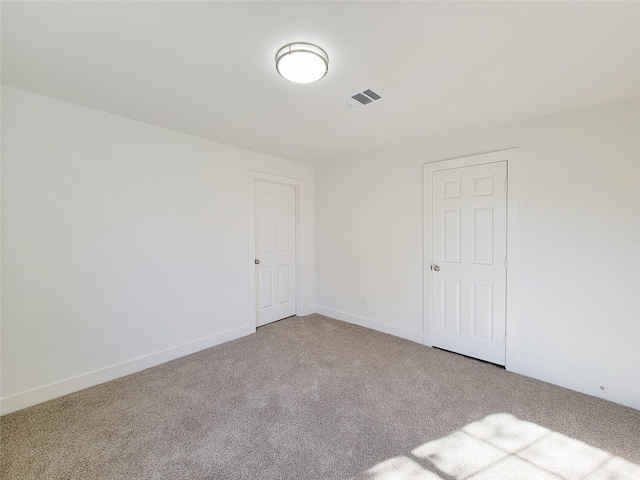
(365, 302)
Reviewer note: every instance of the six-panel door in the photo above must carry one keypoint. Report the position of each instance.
(469, 234)
(276, 251)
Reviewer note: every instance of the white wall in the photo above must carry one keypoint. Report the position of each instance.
(579, 318)
(124, 245)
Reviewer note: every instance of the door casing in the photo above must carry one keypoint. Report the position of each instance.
(300, 293)
(278, 205)
(512, 283)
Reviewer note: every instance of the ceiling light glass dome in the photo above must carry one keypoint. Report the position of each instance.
(302, 62)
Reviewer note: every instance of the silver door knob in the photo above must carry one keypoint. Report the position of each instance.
(257, 262)
(436, 268)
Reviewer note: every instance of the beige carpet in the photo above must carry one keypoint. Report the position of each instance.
(315, 398)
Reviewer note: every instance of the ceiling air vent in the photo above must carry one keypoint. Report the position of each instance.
(361, 99)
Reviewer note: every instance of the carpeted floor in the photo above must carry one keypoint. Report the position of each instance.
(315, 398)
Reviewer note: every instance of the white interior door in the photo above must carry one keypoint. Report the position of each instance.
(468, 270)
(275, 215)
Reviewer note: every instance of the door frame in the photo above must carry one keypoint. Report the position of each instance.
(511, 156)
(300, 294)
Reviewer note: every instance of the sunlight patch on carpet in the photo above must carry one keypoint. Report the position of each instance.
(502, 446)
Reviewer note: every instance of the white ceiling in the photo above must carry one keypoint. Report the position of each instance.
(207, 68)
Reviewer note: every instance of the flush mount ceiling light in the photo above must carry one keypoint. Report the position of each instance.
(302, 62)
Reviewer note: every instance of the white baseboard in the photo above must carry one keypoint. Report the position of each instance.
(308, 311)
(628, 398)
(37, 395)
(407, 334)
(622, 396)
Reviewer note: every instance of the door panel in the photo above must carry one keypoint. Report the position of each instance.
(483, 235)
(451, 231)
(264, 232)
(482, 310)
(276, 251)
(469, 226)
(265, 280)
(451, 305)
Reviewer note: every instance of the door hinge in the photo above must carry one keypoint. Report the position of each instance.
(505, 340)
(506, 184)
(506, 262)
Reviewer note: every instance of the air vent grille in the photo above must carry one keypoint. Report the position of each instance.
(372, 94)
(360, 99)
